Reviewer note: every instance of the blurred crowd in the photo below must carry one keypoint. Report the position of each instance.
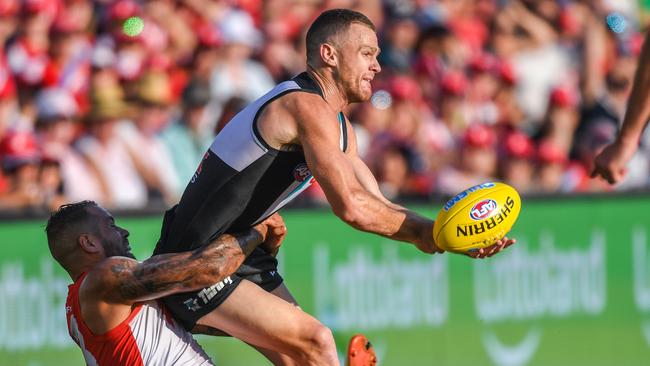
(117, 101)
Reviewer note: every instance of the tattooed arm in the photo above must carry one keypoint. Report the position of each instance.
(113, 286)
(125, 280)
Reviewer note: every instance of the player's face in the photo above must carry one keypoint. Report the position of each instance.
(358, 51)
(114, 239)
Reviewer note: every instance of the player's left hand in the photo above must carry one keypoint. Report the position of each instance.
(493, 249)
(277, 231)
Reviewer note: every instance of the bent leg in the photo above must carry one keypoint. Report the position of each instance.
(277, 358)
(268, 322)
(283, 292)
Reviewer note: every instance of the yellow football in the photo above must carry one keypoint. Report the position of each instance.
(477, 217)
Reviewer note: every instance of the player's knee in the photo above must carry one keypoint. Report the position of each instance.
(323, 339)
(317, 346)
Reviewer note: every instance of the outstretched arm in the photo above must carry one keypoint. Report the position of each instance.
(368, 181)
(120, 280)
(413, 224)
(611, 162)
(335, 172)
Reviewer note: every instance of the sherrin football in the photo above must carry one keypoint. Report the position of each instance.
(477, 217)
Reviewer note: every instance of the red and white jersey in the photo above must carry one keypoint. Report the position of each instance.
(149, 336)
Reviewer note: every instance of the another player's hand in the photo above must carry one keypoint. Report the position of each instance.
(611, 162)
(276, 231)
(493, 249)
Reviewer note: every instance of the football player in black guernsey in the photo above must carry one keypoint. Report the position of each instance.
(265, 156)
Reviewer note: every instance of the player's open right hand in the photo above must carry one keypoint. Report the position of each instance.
(493, 249)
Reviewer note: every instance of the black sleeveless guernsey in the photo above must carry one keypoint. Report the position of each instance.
(240, 182)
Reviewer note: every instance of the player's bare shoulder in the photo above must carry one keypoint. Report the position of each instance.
(306, 106)
(107, 274)
(281, 119)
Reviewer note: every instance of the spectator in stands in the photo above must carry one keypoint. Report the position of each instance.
(509, 112)
(399, 44)
(438, 51)
(130, 52)
(516, 164)
(236, 73)
(51, 183)
(8, 101)
(477, 161)
(28, 54)
(70, 52)
(20, 163)
(8, 23)
(527, 37)
(483, 86)
(561, 119)
(206, 54)
(122, 186)
(57, 126)
(453, 109)
(188, 138)
(281, 53)
(551, 167)
(539, 67)
(142, 139)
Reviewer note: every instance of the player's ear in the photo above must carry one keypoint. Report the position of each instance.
(328, 54)
(89, 243)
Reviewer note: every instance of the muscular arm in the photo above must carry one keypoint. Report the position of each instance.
(412, 221)
(348, 185)
(611, 162)
(122, 280)
(638, 107)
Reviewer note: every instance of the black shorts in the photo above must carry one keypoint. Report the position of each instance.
(194, 222)
(189, 307)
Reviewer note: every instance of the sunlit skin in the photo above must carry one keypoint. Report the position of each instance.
(343, 66)
(350, 65)
(115, 281)
(611, 162)
(114, 238)
(356, 66)
(346, 66)
(358, 63)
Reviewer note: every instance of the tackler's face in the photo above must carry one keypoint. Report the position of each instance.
(114, 239)
(357, 62)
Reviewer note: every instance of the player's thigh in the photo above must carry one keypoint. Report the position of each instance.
(262, 319)
(276, 358)
(283, 292)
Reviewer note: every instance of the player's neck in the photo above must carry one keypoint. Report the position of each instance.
(332, 92)
(79, 266)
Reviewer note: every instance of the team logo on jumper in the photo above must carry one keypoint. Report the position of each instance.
(301, 172)
(199, 169)
(483, 209)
